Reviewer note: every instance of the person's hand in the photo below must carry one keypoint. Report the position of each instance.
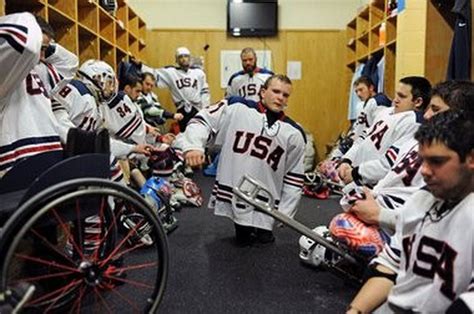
(168, 138)
(144, 149)
(178, 116)
(367, 210)
(135, 61)
(154, 132)
(345, 173)
(194, 158)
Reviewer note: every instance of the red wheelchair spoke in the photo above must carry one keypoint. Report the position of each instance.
(46, 262)
(42, 238)
(54, 292)
(79, 225)
(119, 246)
(137, 266)
(67, 233)
(132, 282)
(42, 277)
(126, 251)
(78, 302)
(102, 300)
(130, 302)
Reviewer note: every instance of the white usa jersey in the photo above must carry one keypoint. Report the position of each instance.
(370, 158)
(272, 154)
(27, 124)
(188, 88)
(248, 85)
(61, 65)
(434, 262)
(76, 107)
(404, 177)
(124, 119)
(368, 115)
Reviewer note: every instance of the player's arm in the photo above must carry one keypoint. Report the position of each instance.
(162, 76)
(374, 292)
(294, 176)
(205, 94)
(205, 124)
(66, 62)
(20, 47)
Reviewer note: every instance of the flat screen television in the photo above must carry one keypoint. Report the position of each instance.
(252, 18)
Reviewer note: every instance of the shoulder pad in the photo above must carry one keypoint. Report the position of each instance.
(234, 76)
(419, 116)
(296, 126)
(240, 100)
(116, 100)
(81, 87)
(382, 100)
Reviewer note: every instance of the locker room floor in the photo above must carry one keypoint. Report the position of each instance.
(209, 274)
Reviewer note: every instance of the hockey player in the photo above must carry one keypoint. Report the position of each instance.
(257, 139)
(154, 114)
(248, 82)
(430, 267)
(56, 62)
(405, 176)
(374, 103)
(188, 85)
(22, 94)
(369, 161)
(80, 99)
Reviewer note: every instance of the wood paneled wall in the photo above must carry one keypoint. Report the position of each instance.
(318, 101)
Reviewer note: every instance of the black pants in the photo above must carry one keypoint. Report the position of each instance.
(187, 116)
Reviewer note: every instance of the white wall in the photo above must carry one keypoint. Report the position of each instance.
(211, 14)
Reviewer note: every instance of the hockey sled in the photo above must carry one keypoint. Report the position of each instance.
(337, 258)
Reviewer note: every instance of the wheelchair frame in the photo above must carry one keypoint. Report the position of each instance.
(51, 208)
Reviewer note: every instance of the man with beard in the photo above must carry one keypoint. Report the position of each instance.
(248, 82)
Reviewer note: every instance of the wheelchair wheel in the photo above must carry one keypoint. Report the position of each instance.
(85, 245)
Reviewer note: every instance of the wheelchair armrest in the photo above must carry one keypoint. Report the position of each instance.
(81, 166)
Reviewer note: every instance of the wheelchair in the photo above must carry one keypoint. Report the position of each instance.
(63, 244)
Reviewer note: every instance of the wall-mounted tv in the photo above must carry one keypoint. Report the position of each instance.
(252, 18)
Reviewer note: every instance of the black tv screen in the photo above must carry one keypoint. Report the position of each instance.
(252, 18)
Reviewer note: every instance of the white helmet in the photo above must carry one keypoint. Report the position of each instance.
(312, 253)
(100, 78)
(182, 51)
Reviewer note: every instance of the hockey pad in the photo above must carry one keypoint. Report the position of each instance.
(187, 192)
(356, 235)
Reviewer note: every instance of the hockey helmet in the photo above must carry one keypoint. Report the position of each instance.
(356, 235)
(182, 51)
(312, 253)
(100, 78)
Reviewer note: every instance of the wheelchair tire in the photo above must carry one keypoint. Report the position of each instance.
(44, 245)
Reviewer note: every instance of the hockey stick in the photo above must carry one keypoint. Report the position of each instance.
(249, 189)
